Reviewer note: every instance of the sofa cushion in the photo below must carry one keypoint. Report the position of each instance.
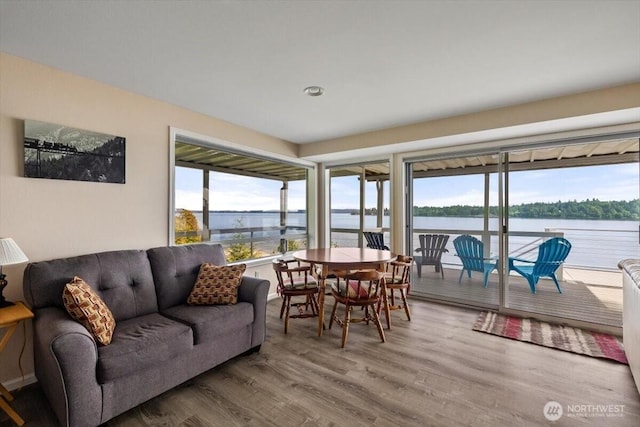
(175, 269)
(210, 321)
(140, 343)
(123, 279)
(85, 306)
(217, 284)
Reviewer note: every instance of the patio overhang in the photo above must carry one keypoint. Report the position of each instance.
(623, 150)
(212, 159)
(543, 157)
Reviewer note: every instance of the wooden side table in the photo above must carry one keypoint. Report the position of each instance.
(9, 318)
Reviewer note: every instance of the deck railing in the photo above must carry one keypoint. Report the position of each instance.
(591, 248)
(265, 240)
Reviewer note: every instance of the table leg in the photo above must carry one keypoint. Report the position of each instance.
(9, 411)
(385, 303)
(323, 285)
(5, 393)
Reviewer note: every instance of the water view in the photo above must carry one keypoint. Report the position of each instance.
(596, 243)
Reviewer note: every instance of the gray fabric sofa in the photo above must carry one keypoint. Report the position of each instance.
(159, 340)
(631, 314)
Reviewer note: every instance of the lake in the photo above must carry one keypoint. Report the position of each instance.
(595, 243)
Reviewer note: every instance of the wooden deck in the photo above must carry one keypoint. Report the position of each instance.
(591, 296)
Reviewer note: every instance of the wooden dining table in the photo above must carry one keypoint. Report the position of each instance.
(341, 259)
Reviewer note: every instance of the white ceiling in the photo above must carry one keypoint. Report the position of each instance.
(382, 63)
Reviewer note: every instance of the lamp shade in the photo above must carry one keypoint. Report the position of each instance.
(10, 252)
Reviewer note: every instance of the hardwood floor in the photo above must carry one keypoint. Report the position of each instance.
(433, 370)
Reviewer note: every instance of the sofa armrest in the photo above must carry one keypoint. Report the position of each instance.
(631, 314)
(255, 291)
(66, 356)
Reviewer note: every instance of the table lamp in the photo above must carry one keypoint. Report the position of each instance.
(10, 253)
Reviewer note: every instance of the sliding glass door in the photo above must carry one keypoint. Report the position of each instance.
(584, 196)
(553, 221)
(456, 200)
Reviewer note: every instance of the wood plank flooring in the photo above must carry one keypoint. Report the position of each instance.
(432, 371)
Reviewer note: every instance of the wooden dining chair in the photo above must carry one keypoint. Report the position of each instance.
(296, 280)
(361, 289)
(397, 279)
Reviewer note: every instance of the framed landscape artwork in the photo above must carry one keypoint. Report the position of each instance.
(61, 152)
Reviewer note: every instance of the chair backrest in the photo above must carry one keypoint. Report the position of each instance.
(432, 247)
(551, 254)
(291, 274)
(399, 271)
(375, 240)
(360, 286)
(471, 252)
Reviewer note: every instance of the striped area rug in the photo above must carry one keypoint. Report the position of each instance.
(554, 336)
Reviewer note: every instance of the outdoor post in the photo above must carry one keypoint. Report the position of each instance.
(363, 177)
(380, 189)
(283, 216)
(486, 235)
(206, 232)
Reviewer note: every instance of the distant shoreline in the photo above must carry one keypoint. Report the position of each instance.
(620, 215)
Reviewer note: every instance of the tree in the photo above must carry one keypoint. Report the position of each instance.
(239, 250)
(186, 227)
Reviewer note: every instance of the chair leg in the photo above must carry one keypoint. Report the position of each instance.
(286, 316)
(404, 303)
(385, 303)
(461, 274)
(284, 303)
(345, 326)
(555, 279)
(486, 278)
(314, 305)
(532, 284)
(441, 269)
(376, 320)
(419, 266)
(333, 314)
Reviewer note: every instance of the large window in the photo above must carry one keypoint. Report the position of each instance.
(254, 207)
(359, 201)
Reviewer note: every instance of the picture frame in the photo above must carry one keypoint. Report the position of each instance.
(55, 151)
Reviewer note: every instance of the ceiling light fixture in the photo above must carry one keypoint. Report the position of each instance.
(314, 90)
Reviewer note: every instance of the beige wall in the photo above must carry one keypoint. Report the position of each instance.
(54, 218)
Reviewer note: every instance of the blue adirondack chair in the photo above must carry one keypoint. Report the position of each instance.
(551, 255)
(375, 240)
(471, 253)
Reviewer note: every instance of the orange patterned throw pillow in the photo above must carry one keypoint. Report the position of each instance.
(85, 306)
(217, 284)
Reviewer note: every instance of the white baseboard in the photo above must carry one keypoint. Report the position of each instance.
(18, 383)
(272, 296)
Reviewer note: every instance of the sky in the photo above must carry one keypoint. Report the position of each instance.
(234, 192)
